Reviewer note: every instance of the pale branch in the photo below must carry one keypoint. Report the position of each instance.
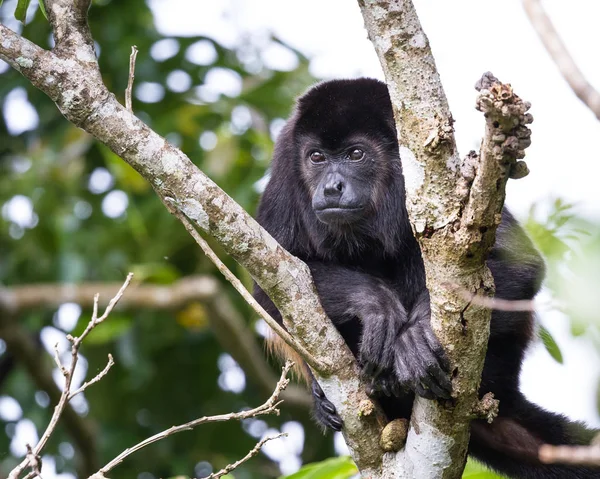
(68, 375)
(19, 298)
(228, 326)
(32, 474)
(559, 53)
(129, 90)
(575, 455)
(244, 293)
(497, 304)
(72, 79)
(454, 209)
(268, 407)
(253, 452)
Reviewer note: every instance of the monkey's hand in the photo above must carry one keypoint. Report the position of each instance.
(324, 411)
(420, 363)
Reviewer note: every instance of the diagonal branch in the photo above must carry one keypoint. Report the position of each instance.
(557, 50)
(71, 78)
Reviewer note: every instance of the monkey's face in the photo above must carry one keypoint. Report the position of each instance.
(342, 181)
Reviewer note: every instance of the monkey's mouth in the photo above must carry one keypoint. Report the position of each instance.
(339, 214)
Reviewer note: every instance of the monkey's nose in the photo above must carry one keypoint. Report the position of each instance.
(334, 189)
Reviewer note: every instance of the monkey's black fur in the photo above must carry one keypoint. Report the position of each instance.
(336, 200)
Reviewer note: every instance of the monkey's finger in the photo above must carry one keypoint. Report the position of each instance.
(438, 390)
(442, 379)
(328, 407)
(422, 391)
(436, 347)
(335, 423)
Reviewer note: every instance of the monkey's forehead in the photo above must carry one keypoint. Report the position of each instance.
(338, 109)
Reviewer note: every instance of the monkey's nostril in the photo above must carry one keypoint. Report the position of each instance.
(339, 186)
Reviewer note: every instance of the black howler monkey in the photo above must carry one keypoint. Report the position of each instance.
(336, 200)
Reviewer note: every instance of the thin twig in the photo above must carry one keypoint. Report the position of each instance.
(129, 89)
(237, 284)
(269, 407)
(97, 378)
(559, 53)
(253, 452)
(576, 455)
(34, 454)
(489, 302)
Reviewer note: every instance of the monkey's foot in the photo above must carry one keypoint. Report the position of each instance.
(324, 411)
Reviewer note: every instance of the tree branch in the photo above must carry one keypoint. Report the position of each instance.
(560, 55)
(21, 344)
(20, 298)
(71, 78)
(576, 455)
(454, 209)
(253, 452)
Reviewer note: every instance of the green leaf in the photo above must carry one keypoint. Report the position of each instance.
(550, 345)
(42, 8)
(474, 470)
(335, 468)
(21, 10)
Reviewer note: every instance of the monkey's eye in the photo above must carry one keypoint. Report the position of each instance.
(356, 154)
(317, 157)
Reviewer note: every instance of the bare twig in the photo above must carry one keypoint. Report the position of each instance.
(237, 284)
(132, 57)
(489, 302)
(559, 53)
(22, 345)
(253, 452)
(269, 407)
(96, 378)
(32, 456)
(576, 455)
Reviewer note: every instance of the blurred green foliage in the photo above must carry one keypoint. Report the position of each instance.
(336, 468)
(54, 229)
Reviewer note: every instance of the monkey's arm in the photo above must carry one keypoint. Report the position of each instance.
(397, 349)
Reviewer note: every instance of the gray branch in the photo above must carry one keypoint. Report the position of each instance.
(70, 76)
